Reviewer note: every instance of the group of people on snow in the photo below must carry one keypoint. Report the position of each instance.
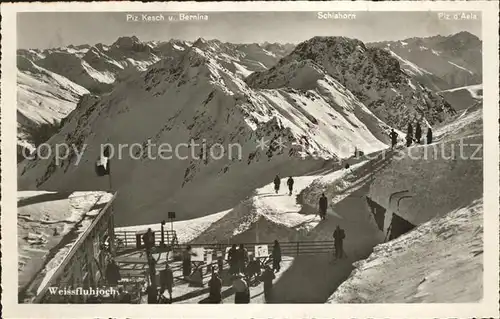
(289, 183)
(323, 202)
(243, 270)
(410, 138)
(338, 234)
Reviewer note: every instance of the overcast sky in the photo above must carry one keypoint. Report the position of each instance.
(49, 30)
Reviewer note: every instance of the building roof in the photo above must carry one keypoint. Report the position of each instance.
(49, 224)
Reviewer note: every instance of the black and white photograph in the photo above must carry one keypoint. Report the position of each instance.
(253, 157)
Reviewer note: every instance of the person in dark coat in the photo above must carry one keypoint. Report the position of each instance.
(253, 269)
(167, 281)
(241, 289)
(410, 131)
(418, 133)
(277, 182)
(276, 256)
(186, 262)
(408, 140)
(232, 259)
(267, 277)
(215, 288)
(289, 182)
(323, 206)
(148, 239)
(394, 138)
(125, 297)
(152, 294)
(220, 260)
(113, 273)
(429, 136)
(338, 237)
(242, 258)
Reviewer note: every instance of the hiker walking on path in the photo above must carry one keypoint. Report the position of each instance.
(232, 259)
(338, 236)
(277, 182)
(276, 256)
(418, 133)
(429, 136)
(268, 277)
(289, 182)
(167, 281)
(323, 205)
(409, 132)
(394, 138)
(215, 286)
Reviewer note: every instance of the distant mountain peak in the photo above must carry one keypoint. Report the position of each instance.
(465, 35)
(341, 46)
(200, 41)
(127, 41)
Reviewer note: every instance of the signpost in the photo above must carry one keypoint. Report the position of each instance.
(261, 251)
(198, 254)
(162, 244)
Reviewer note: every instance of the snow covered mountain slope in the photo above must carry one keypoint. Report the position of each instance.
(439, 62)
(97, 68)
(42, 97)
(463, 97)
(441, 259)
(196, 97)
(371, 74)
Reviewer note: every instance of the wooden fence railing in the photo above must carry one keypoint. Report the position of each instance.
(129, 240)
(132, 239)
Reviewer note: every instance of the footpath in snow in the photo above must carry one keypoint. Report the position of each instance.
(267, 216)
